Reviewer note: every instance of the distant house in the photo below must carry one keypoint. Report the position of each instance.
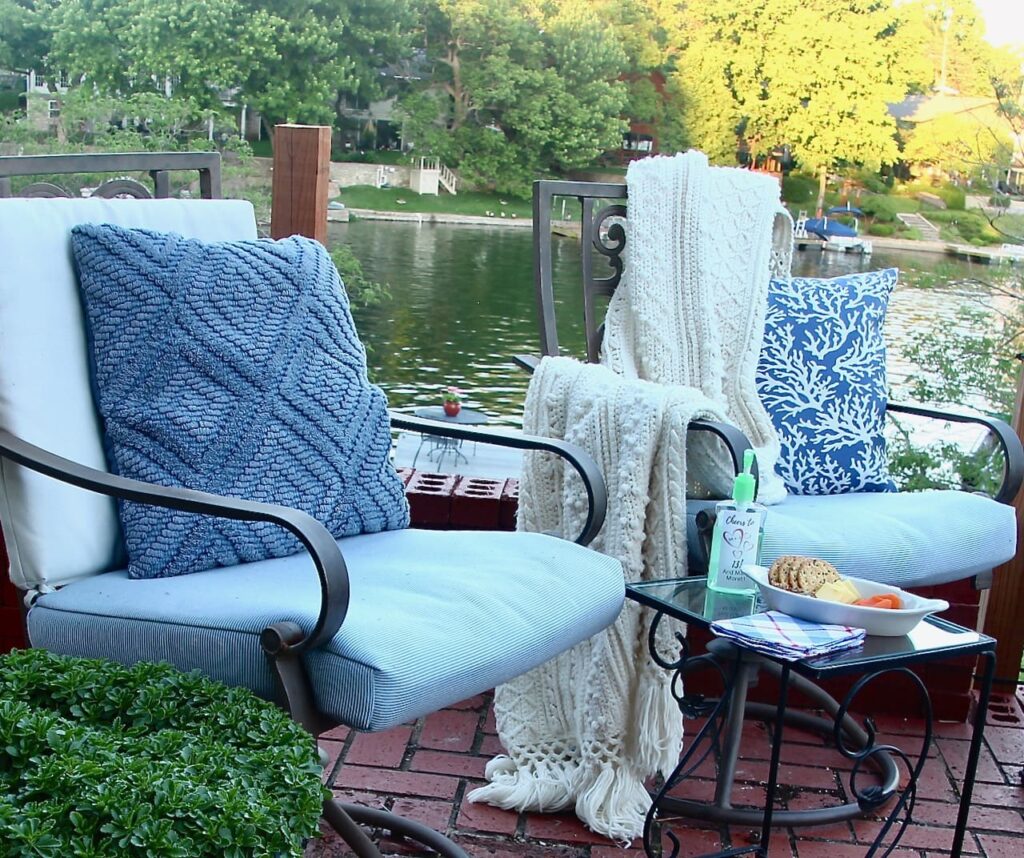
(379, 124)
(641, 138)
(40, 102)
(964, 121)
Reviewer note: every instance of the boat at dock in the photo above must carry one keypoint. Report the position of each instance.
(828, 233)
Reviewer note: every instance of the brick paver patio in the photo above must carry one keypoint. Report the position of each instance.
(425, 770)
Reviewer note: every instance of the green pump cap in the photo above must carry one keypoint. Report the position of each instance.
(744, 484)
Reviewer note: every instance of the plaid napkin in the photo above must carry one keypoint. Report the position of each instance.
(782, 636)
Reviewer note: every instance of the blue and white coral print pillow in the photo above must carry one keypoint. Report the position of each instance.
(821, 375)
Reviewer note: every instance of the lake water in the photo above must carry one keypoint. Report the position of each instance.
(462, 304)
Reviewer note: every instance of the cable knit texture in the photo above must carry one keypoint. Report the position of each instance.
(588, 728)
(702, 244)
(233, 368)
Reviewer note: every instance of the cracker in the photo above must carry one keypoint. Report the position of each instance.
(801, 574)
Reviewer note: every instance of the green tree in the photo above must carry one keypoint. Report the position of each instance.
(288, 59)
(947, 50)
(25, 30)
(516, 89)
(818, 77)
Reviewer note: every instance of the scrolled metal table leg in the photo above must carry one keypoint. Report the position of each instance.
(873, 797)
(715, 713)
(397, 825)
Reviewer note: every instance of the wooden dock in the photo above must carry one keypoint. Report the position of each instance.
(1008, 253)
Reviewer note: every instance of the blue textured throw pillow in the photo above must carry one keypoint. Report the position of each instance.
(821, 375)
(233, 368)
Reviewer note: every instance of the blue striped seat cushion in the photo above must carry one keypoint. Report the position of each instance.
(908, 539)
(435, 617)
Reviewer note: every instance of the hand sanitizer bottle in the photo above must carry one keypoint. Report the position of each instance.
(736, 539)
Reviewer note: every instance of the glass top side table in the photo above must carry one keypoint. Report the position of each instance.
(690, 600)
(440, 446)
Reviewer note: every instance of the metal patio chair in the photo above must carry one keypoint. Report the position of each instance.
(369, 631)
(956, 535)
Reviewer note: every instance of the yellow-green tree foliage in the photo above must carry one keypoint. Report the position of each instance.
(817, 76)
(947, 50)
(960, 142)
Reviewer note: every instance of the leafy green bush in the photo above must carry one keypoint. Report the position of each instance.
(999, 201)
(955, 198)
(362, 291)
(882, 209)
(799, 188)
(873, 182)
(97, 759)
(941, 216)
(883, 229)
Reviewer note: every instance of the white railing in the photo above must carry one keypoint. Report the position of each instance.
(449, 180)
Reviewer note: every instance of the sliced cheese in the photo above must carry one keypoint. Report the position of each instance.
(841, 591)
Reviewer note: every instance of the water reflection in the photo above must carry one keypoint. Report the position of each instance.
(462, 304)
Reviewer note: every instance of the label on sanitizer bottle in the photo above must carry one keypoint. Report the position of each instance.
(737, 546)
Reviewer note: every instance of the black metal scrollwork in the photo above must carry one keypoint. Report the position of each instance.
(609, 242)
(707, 740)
(121, 189)
(875, 796)
(43, 190)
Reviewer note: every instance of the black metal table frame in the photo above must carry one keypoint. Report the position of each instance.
(440, 444)
(862, 752)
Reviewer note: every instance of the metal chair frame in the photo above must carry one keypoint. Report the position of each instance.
(284, 643)
(599, 205)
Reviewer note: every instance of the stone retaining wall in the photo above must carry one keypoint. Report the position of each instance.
(345, 174)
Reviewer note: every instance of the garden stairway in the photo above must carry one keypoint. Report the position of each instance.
(449, 181)
(928, 230)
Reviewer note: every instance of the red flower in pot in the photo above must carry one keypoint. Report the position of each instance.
(452, 401)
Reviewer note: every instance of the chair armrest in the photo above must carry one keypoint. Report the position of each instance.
(527, 362)
(1013, 451)
(735, 441)
(330, 565)
(580, 459)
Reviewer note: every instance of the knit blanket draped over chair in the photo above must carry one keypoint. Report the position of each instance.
(587, 729)
(702, 244)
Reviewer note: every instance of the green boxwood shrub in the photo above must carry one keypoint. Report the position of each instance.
(97, 759)
(799, 189)
(999, 201)
(955, 198)
(883, 229)
(882, 209)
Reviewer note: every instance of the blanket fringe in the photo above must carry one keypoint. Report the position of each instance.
(615, 803)
(659, 727)
(541, 788)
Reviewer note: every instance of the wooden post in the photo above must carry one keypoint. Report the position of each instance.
(1006, 598)
(302, 169)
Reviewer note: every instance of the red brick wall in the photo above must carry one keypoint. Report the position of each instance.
(12, 632)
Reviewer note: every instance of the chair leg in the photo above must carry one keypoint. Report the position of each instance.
(350, 832)
(345, 819)
(402, 827)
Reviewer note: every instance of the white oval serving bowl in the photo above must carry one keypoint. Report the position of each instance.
(886, 622)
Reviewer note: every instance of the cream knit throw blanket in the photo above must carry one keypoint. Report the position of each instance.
(587, 728)
(702, 244)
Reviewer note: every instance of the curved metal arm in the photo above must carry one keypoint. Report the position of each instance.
(735, 441)
(330, 565)
(1013, 451)
(580, 459)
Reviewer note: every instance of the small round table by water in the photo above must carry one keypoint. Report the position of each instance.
(440, 445)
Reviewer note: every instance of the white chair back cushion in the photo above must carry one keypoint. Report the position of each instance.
(56, 533)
